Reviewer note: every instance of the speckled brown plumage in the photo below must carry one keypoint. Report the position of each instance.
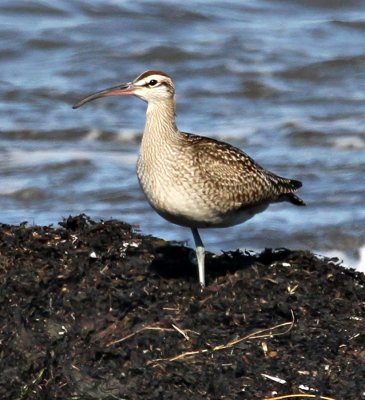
(220, 184)
(231, 170)
(192, 180)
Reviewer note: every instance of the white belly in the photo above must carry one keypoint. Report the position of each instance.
(183, 206)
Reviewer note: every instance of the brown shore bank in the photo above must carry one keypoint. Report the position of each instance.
(95, 310)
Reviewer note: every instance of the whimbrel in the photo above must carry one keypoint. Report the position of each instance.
(191, 180)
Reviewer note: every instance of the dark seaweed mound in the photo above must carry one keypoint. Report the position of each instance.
(94, 310)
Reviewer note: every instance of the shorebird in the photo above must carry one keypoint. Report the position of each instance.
(192, 180)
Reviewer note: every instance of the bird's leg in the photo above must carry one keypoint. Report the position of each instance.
(200, 255)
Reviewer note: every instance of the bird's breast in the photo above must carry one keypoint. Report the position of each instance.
(168, 189)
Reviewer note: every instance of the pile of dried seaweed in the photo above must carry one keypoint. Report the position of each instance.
(97, 311)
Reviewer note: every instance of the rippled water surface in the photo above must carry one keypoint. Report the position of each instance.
(283, 80)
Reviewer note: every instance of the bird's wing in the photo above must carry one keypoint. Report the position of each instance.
(231, 171)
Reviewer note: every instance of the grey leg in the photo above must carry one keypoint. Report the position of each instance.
(200, 255)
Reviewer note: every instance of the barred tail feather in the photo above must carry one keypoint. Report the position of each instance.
(294, 199)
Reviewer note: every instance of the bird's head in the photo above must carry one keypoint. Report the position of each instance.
(150, 86)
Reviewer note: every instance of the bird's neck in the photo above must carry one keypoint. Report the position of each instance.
(161, 121)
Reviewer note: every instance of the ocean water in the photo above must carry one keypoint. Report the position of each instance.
(283, 80)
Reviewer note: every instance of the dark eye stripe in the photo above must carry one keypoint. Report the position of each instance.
(154, 83)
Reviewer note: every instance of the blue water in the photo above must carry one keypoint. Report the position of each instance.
(283, 80)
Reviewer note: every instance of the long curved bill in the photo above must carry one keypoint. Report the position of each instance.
(121, 90)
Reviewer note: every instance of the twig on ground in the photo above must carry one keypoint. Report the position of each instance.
(262, 333)
(181, 331)
(293, 396)
(145, 328)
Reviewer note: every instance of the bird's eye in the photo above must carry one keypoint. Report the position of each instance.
(152, 82)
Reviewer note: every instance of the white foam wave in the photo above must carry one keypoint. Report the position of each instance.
(347, 261)
(25, 158)
(350, 143)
